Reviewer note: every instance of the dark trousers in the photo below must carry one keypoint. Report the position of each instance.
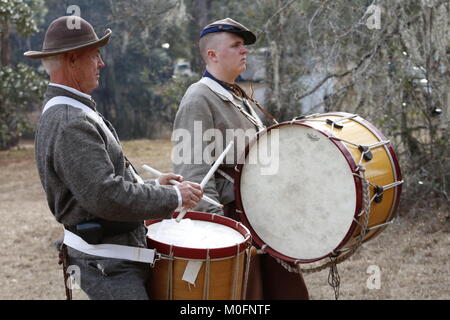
(269, 280)
(112, 279)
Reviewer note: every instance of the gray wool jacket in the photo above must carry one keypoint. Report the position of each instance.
(205, 123)
(85, 174)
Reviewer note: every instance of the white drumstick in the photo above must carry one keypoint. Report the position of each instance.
(216, 165)
(209, 175)
(158, 173)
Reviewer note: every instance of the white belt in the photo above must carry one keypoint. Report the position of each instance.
(109, 250)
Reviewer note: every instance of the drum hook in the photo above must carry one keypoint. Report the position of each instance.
(157, 258)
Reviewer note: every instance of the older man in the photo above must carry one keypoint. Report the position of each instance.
(214, 111)
(91, 187)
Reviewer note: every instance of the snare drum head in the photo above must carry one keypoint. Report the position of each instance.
(298, 192)
(190, 233)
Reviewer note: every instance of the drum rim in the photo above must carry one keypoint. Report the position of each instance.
(203, 253)
(256, 239)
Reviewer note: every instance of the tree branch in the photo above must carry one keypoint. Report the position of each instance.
(337, 75)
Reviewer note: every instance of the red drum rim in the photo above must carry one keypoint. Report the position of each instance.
(199, 253)
(358, 187)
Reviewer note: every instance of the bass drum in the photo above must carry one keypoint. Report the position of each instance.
(303, 189)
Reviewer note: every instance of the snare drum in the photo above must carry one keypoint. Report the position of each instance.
(319, 186)
(204, 256)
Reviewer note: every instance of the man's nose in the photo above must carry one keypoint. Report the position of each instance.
(244, 50)
(101, 64)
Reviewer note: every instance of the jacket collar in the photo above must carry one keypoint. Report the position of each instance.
(226, 95)
(209, 75)
(73, 90)
(226, 89)
(54, 90)
(217, 88)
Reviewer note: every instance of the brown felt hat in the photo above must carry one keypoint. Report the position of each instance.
(67, 34)
(229, 25)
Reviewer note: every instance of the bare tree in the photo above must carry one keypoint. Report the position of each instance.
(385, 60)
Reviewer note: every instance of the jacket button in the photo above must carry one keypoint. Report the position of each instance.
(127, 164)
(135, 180)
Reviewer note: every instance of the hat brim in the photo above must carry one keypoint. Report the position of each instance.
(43, 54)
(248, 36)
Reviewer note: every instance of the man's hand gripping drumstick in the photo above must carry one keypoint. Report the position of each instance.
(191, 192)
(176, 182)
(208, 176)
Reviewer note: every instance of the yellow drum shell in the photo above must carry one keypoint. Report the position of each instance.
(381, 170)
(221, 278)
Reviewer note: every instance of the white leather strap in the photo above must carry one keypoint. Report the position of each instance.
(91, 114)
(109, 250)
(217, 89)
(77, 104)
(225, 95)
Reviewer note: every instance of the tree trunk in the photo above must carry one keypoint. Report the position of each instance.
(276, 96)
(5, 43)
(201, 17)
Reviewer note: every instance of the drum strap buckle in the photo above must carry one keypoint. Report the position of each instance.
(158, 257)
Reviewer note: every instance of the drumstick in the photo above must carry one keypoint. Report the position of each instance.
(209, 175)
(158, 173)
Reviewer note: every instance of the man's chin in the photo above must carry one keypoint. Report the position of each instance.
(89, 90)
(97, 84)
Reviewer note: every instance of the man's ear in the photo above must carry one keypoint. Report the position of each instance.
(211, 54)
(71, 58)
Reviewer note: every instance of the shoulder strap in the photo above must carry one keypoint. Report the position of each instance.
(217, 89)
(91, 114)
(79, 105)
(227, 96)
(74, 103)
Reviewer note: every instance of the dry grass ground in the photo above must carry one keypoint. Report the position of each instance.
(413, 257)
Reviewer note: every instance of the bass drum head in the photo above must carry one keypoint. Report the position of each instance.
(297, 192)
